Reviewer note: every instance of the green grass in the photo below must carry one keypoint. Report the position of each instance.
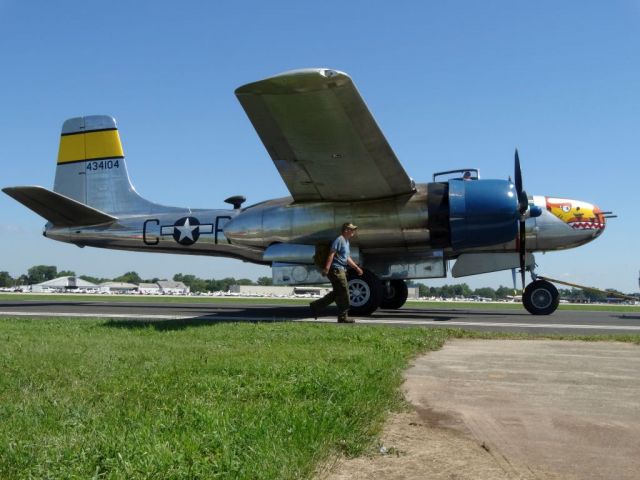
(195, 399)
(96, 399)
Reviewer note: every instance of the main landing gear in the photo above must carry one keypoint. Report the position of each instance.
(367, 293)
(394, 294)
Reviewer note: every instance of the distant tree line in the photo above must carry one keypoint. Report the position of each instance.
(574, 295)
(42, 273)
(463, 290)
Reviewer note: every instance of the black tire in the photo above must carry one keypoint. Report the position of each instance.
(394, 295)
(365, 292)
(541, 298)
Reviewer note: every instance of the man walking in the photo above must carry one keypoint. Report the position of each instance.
(335, 269)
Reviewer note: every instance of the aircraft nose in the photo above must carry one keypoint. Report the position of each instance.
(587, 218)
(580, 216)
(569, 223)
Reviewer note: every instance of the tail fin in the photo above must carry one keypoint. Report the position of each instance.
(91, 167)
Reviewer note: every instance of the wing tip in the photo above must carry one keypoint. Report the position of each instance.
(296, 81)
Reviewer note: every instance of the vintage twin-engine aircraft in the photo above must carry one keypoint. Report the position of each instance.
(338, 168)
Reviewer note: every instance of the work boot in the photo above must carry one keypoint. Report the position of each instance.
(346, 320)
(314, 310)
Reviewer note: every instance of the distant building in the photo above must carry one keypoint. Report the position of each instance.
(118, 287)
(149, 289)
(64, 284)
(169, 287)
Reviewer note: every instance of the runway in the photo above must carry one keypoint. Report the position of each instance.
(496, 320)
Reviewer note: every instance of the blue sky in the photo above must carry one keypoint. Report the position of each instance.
(452, 84)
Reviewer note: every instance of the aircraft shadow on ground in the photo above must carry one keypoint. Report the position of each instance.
(180, 324)
(224, 315)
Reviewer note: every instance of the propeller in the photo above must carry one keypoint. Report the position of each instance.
(523, 205)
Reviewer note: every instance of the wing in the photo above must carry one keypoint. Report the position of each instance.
(322, 138)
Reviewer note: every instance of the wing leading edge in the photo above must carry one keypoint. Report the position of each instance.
(322, 138)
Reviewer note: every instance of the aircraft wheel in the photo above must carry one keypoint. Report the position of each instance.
(394, 294)
(365, 292)
(541, 298)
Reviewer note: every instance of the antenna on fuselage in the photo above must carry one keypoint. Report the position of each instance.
(236, 201)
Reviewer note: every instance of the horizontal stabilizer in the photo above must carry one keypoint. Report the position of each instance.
(60, 210)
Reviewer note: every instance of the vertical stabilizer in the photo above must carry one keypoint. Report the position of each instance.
(91, 166)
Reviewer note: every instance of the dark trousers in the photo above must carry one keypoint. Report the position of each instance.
(339, 294)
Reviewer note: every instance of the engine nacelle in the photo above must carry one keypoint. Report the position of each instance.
(482, 212)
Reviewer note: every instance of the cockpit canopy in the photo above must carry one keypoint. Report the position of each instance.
(459, 174)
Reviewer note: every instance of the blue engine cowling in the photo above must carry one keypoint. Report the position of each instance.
(482, 212)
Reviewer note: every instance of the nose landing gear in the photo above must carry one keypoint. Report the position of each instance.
(540, 298)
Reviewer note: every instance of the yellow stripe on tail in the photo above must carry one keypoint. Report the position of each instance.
(94, 145)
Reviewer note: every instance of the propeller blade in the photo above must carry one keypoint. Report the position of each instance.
(522, 252)
(518, 175)
(523, 200)
(523, 206)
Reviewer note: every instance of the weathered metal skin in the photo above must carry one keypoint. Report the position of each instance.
(397, 222)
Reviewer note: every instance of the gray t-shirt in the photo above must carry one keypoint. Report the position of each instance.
(341, 246)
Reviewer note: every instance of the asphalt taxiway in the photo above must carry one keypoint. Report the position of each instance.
(562, 321)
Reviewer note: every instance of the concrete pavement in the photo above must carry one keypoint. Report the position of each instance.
(542, 409)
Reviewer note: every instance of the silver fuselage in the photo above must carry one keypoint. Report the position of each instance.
(389, 229)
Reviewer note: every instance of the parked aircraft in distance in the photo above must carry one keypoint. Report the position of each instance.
(338, 168)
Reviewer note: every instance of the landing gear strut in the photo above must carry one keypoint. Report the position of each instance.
(365, 292)
(394, 294)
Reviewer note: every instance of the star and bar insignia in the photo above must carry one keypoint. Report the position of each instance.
(187, 230)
